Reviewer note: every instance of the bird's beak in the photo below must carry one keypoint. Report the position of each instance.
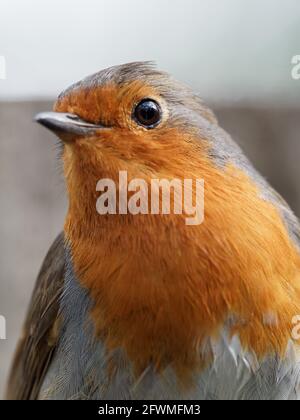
(67, 127)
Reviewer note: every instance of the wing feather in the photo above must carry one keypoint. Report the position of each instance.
(41, 329)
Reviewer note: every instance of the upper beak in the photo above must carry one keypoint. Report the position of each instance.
(67, 127)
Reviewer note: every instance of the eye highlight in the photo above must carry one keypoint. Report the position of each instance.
(147, 113)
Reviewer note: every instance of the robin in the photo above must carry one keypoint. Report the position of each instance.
(146, 306)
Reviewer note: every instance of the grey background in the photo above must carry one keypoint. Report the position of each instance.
(227, 49)
(237, 55)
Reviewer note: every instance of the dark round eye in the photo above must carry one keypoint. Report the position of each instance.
(147, 113)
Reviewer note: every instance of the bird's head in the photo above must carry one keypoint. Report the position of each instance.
(130, 118)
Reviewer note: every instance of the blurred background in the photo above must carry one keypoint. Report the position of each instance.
(237, 55)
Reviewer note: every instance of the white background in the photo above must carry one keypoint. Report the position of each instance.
(229, 49)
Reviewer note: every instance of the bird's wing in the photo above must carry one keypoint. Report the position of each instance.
(41, 330)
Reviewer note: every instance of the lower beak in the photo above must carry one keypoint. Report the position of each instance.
(67, 127)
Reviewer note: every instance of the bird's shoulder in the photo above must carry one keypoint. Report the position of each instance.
(41, 329)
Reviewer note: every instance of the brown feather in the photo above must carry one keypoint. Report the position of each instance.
(40, 333)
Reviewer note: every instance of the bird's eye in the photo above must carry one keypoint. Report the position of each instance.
(147, 113)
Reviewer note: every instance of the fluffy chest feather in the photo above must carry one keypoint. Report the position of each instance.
(161, 288)
(83, 369)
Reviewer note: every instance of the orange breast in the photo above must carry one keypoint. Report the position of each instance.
(161, 287)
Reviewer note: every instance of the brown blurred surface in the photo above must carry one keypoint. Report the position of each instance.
(32, 199)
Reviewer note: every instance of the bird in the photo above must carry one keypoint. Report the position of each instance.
(144, 306)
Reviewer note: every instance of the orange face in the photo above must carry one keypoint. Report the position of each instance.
(160, 287)
(124, 143)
